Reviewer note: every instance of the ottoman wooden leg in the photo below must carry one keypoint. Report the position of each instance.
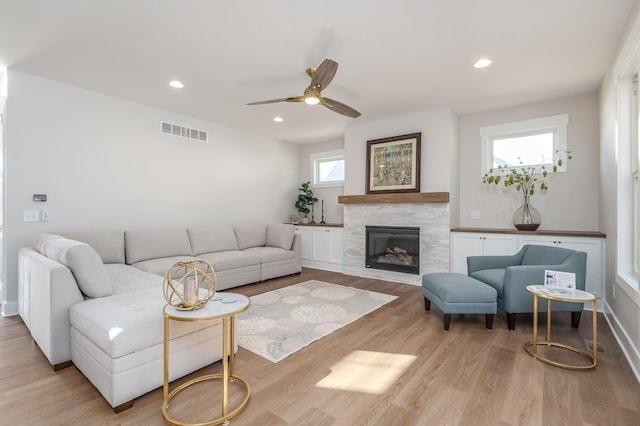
(447, 321)
(489, 321)
(427, 304)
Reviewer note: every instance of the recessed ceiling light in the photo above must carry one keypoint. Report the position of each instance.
(278, 119)
(482, 63)
(177, 84)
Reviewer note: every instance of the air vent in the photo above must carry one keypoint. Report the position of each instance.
(187, 132)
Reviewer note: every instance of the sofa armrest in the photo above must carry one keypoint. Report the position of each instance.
(478, 263)
(47, 291)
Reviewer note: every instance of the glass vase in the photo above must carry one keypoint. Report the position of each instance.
(527, 217)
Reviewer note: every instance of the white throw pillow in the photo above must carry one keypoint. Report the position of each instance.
(83, 261)
(280, 235)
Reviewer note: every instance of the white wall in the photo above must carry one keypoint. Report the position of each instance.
(571, 203)
(333, 212)
(103, 162)
(622, 300)
(438, 148)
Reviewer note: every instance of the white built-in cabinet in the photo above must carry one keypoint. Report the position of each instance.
(322, 247)
(484, 242)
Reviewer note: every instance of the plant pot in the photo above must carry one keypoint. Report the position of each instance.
(527, 217)
(306, 220)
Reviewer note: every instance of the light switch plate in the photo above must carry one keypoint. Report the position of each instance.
(475, 214)
(30, 215)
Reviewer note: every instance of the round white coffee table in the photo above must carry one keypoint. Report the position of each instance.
(579, 296)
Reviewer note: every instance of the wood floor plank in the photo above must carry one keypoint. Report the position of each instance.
(467, 375)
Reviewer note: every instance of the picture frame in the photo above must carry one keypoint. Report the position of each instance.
(393, 164)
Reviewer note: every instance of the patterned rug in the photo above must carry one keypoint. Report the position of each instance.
(283, 321)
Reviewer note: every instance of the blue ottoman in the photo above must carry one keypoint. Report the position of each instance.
(459, 294)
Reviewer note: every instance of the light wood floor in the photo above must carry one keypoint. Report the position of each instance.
(466, 376)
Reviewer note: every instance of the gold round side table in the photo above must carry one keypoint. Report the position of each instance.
(225, 309)
(578, 296)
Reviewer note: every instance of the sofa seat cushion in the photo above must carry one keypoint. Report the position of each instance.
(225, 260)
(126, 278)
(128, 322)
(492, 277)
(162, 265)
(271, 254)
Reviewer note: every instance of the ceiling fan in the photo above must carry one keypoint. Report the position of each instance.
(320, 79)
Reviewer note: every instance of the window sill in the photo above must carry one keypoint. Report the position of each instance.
(328, 185)
(629, 285)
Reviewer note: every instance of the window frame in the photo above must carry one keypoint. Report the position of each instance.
(556, 124)
(320, 157)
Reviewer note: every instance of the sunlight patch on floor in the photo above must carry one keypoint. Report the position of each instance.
(367, 372)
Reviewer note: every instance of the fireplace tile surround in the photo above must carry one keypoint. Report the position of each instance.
(431, 217)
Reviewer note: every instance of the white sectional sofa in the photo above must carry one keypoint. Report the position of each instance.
(95, 297)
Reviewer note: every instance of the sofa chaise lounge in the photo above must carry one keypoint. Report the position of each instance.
(95, 297)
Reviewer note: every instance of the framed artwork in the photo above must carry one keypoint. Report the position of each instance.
(393, 164)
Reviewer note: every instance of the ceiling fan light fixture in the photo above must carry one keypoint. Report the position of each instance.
(311, 100)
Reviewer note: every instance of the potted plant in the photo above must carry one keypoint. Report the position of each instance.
(526, 179)
(305, 201)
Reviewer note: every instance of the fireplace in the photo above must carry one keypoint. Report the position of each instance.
(393, 248)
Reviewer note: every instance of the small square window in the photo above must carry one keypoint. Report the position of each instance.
(327, 168)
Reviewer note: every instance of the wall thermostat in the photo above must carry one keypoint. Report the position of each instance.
(41, 198)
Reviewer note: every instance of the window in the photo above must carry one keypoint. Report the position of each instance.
(525, 143)
(327, 168)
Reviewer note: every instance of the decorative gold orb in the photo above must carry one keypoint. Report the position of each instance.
(189, 285)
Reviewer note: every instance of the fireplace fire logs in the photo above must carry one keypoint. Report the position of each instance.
(396, 256)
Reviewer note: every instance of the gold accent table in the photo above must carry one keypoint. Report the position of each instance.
(213, 310)
(578, 296)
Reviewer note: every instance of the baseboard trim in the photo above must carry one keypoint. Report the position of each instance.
(9, 309)
(630, 352)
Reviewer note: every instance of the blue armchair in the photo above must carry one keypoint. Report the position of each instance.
(510, 275)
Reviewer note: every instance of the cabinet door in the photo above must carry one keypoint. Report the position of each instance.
(336, 246)
(307, 242)
(321, 244)
(464, 244)
(499, 244)
(593, 248)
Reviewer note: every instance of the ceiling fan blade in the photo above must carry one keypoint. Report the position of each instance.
(324, 74)
(273, 101)
(339, 107)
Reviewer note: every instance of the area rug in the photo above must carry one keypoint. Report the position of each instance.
(283, 321)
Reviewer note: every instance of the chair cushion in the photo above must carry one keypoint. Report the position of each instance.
(492, 277)
(280, 235)
(458, 288)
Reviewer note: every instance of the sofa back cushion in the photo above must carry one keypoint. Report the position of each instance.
(153, 244)
(280, 235)
(108, 243)
(251, 235)
(212, 240)
(83, 261)
(545, 255)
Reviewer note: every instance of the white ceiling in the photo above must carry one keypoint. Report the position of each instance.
(395, 57)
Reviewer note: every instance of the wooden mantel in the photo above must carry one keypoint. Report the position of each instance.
(403, 197)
